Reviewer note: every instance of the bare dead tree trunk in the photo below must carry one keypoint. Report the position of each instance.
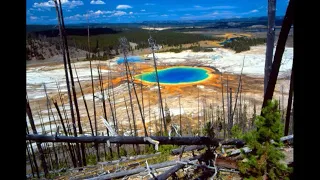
(83, 162)
(149, 111)
(67, 77)
(74, 161)
(270, 41)
(282, 100)
(49, 106)
(104, 107)
(180, 116)
(94, 113)
(152, 44)
(84, 100)
(114, 101)
(141, 87)
(131, 134)
(128, 115)
(231, 120)
(254, 115)
(62, 103)
(132, 112)
(42, 158)
(198, 114)
(30, 161)
(33, 155)
(286, 128)
(113, 108)
(223, 111)
(285, 29)
(124, 44)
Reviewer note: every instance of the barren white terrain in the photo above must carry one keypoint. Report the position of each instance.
(224, 60)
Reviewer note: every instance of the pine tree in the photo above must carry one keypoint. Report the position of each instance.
(264, 159)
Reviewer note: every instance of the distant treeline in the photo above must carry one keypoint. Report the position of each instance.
(140, 37)
(76, 32)
(243, 43)
(194, 48)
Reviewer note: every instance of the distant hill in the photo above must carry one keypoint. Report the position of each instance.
(218, 23)
(76, 32)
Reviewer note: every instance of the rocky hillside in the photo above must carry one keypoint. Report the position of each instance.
(48, 48)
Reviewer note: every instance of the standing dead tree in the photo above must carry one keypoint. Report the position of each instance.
(42, 158)
(64, 52)
(72, 85)
(270, 41)
(93, 96)
(124, 45)
(198, 112)
(230, 109)
(223, 111)
(66, 134)
(285, 29)
(286, 127)
(84, 100)
(104, 108)
(180, 115)
(152, 44)
(125, 102)
(33, 155)
(235, 104)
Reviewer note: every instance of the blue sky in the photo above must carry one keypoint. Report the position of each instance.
(124, 11)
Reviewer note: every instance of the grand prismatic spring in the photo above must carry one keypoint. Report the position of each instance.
(176, 75)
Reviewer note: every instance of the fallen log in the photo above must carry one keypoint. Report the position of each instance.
(247, 150)
(127, 139)
(169, 172)
(126, 159)
(138, 170)
(285, 138)
(188, 148)
(237, 142)
(221, 162)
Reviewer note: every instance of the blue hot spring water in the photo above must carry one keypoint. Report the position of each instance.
(133, 59)
(176, 75)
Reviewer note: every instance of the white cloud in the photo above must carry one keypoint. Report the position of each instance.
(216, 14)
(254, 11)
(149, 4)
(50, 3)
(74, 17)
(97, 13)
(164, 15)
(142, 10)
(33, 17)
(200, 8)
(121, 6)
(118, 13)
(97, 2)
(130, 12)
